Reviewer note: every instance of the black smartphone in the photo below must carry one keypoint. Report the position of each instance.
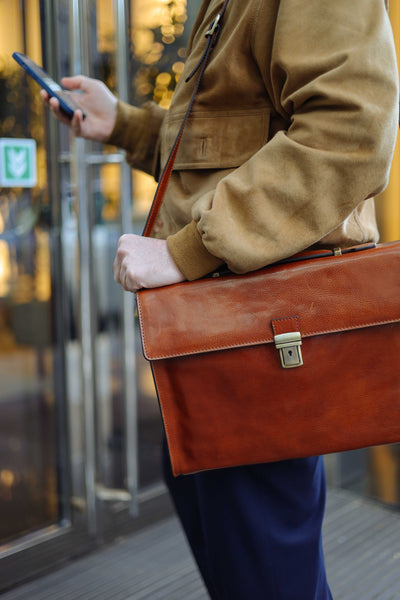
(67, 104)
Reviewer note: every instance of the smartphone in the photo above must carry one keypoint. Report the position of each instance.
(67, 104)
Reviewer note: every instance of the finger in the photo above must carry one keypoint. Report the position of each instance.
(124, 281)
(45, 96)
(76, 122)
(77, 82)
(116, 270)
(129, 283)
(54, 103)
(55, 107)
(123, 278)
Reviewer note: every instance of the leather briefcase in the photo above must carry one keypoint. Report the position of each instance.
(296, 359)
(290, 361)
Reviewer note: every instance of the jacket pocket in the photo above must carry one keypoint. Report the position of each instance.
(217, 140)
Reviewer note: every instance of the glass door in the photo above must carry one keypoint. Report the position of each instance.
(137, 49)
(66, 330)
(80, 430)
(32, 484)
(35, 491)
(97, 207)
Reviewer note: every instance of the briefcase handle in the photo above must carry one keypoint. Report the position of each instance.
(302, 256)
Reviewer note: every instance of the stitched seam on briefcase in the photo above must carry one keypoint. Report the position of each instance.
(352, 327)
(292, 319)
(255, 342)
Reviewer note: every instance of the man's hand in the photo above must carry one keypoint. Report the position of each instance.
(97, 102)
(143, 262)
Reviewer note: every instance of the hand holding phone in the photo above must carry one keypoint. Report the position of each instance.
(67, 104)
(95, 99)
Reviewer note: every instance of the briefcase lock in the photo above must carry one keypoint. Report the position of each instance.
(288, 345)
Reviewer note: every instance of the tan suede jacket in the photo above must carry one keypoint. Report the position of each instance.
(292, 133)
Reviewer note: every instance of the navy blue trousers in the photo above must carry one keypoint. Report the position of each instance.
(255, 531)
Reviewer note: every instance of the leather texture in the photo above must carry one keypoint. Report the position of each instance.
(225, 397)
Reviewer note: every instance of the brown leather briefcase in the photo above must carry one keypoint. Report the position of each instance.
(297, 359)
(290, 361)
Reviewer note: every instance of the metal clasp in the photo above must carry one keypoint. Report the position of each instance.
(288, 345)
(213, 26)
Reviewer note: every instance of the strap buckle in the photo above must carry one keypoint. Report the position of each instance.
(214, 26)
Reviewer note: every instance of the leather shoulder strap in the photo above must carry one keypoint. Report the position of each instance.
(212, 36)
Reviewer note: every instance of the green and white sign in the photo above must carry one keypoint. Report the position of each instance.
(17, 162)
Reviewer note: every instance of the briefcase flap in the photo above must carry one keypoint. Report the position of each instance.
(326, 295)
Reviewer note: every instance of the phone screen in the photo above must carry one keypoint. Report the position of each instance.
(67, 104)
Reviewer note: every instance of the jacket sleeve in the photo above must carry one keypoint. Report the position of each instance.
(331, 74)
(137, 130)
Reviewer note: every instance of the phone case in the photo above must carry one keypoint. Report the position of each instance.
(67, 104)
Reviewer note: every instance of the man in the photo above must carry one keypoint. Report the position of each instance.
(291, 135)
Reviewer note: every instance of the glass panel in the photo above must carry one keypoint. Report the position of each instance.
(384, 473)
(104, 195)
(58, 64)
(106, 204)
(73, 354)
(158, 41)
(165, 22)
(108, 342)
(372, 472)
(28, 443)
(388, 205)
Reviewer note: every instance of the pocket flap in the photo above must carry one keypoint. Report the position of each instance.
(217, 140)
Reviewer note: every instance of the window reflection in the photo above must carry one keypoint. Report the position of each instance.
(28, 463)
(157, 46)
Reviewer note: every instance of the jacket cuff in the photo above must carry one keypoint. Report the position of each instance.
(128, 126)
(191, 256)
(136, 130)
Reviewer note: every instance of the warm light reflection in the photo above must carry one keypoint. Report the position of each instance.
(153, 13)
(144, 188)
(178, 68)
(7, 478)
(110, 182)
(33, 37)
(156, 28)
(10, 27)
(105, 26)
(42, 265)
(5, 269)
